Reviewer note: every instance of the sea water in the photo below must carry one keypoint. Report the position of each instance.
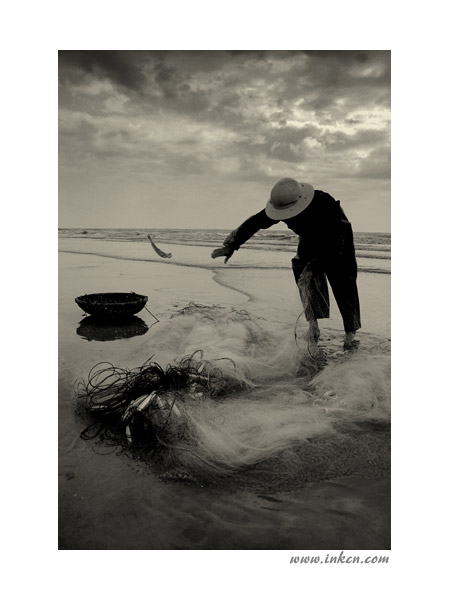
(372, 249)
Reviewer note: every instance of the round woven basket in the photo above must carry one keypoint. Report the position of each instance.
(112, 305)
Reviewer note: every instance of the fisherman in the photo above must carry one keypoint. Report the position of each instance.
(325, 248)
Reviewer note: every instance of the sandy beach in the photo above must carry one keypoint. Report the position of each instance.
(108, 500)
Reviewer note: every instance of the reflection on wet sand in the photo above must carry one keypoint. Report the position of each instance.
(93, 329)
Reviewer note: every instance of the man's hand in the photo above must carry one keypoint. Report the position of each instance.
(223, 251)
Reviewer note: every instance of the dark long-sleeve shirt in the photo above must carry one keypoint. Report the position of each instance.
(321, 227)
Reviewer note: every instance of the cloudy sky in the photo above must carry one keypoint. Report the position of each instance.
(198, 138)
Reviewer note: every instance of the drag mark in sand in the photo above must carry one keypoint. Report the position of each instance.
(215, 276)
(216, 268)
(178, 263)
(219, 280)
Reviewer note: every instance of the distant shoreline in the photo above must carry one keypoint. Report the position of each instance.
(387, 233)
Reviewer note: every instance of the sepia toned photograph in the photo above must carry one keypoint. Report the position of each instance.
(224, 273)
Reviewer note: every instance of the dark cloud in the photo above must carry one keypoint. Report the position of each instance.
(288, 153)
(347, 56)
(291, 144)
(246, 108)
(168, 80)
(322, 78)
(284, 144)
(120, 67)
(339, 141)
(219, 86)
(262, 55)
(294, 135)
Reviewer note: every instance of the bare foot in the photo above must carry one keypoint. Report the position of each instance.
(349, 340)
(313, 349)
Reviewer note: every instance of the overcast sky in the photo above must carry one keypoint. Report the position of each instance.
(197, 138)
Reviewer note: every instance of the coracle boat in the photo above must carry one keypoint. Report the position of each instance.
(112, 305)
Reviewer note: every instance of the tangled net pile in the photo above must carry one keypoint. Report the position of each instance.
(145, 399)
(239, 406)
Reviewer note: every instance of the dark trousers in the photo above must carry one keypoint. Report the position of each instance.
(311, 273)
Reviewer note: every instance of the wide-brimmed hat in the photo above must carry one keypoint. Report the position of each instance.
(288, 198)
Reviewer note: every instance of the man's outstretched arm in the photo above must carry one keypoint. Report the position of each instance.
(244, 232)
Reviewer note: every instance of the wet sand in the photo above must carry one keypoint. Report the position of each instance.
(114, 502)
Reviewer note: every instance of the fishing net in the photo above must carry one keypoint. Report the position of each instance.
(226, 396)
